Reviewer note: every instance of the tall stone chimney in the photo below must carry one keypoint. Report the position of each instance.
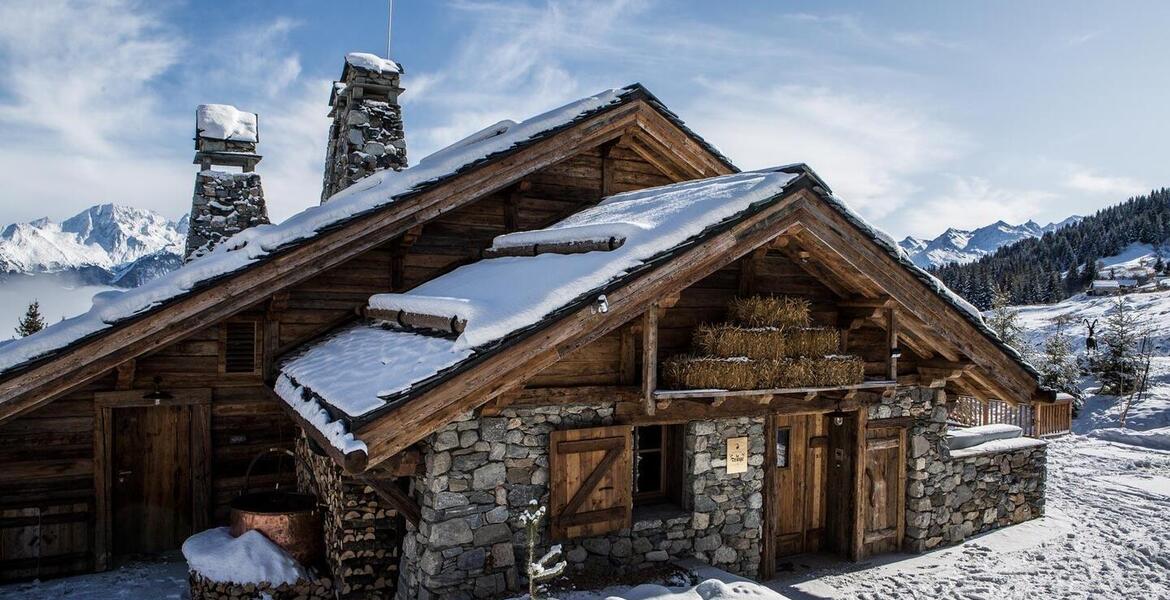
(224, 202)
(366, 135)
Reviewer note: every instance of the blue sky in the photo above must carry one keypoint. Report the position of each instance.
(922, 115)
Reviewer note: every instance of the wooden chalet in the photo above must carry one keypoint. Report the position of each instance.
(136, 431)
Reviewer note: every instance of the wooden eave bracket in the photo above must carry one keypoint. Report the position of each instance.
(396, 498)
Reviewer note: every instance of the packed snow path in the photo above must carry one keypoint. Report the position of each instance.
(1107, 535)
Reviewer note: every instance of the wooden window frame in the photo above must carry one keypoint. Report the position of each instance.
(104, 404)
(787, 448)
(258, 354)
(670, 466)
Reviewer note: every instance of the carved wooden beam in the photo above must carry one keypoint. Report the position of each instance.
(396, 498)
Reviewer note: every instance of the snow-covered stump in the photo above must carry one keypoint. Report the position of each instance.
(363, 538)
(248, 567)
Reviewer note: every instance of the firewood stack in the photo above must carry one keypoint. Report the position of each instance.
(768, 343)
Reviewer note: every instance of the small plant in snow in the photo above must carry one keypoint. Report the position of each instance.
(539, 570)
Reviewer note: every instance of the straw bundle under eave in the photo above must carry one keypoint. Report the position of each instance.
(704, 372)
(765, 342)
(781, 312)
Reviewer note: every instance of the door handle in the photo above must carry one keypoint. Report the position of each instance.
(122, 476)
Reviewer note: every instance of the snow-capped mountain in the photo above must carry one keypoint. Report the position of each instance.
(962, 246)
(105, 244)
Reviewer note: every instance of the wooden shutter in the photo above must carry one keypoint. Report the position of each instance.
(591, 481)
(884, 486)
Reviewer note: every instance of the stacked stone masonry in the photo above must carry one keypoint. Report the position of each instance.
(362, 536)
(480, 473)
(950, 499)
(223, 205)
(366, 135)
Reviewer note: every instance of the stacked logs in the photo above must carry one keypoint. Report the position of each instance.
(769, 344)
(363, 537)
(203, 588)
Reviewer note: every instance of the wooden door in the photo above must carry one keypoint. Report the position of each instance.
(799, 462)
(883, 489)
(151, 487)
(590, 481)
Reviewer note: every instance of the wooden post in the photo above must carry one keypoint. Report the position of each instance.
(892, 338)
(649, 357)
(857, 549)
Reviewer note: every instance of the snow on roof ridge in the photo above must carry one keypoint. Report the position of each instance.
(372, 62)
(253, 244)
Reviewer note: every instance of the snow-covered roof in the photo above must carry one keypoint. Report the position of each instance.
(372, 62)
(225, 122)
(256, 244)
(501, 296)
(1106, 283)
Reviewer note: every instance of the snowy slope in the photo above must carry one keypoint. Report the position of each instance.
(962, 246)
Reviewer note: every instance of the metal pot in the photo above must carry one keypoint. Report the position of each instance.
(289, 519)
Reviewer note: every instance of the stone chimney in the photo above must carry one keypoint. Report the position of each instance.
(366, 135)
(224, 202)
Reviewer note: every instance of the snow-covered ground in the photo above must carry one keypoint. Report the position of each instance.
(1106, 535)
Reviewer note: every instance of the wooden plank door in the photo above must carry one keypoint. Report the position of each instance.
(884, 490)
(151, 487)
(799, 499)
(590, 480)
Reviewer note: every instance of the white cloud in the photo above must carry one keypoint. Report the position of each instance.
(1084, 180)
(973, 202)
(868, 150)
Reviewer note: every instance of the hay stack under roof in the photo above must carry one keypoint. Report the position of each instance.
(768, 345)
(727, 341)
(781, 312)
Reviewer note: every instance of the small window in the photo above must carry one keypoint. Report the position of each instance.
(240, 347)
(657, 464)
(782, 439)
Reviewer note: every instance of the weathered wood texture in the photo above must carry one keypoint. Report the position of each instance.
(884, 490)
(47, 499)
(590, 491)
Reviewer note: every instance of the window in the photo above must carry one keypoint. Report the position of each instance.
(782, 438)
(240, 348)
(657, 464)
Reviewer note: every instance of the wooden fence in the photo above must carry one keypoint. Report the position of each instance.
(1037, 420)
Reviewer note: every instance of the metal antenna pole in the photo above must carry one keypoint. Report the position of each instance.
(389, 22)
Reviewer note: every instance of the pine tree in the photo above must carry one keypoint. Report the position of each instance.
(1004, 320)
(32, 321)
(1117, 363)
(1058, 365)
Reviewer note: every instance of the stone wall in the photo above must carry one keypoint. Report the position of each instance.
(950, 499)
(481, 473)
(362, 537)
(223, 205)
(366, 135)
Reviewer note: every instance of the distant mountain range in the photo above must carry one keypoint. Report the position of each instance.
(962, 246)
(107, 245)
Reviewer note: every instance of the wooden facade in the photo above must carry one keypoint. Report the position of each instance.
(80, 431)
(68, 441)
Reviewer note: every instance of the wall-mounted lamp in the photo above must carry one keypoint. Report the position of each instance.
(895, 353)
(157, 394)
(602, 305)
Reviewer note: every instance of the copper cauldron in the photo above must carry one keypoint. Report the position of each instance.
(289, 519)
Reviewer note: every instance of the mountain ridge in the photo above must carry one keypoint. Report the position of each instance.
(964, 246)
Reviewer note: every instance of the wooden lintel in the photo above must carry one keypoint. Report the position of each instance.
(396, 498)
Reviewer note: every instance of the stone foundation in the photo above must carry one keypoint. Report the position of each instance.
(481, 473)
(949, 499)
(205, 589)
(362, 537)
(224, 204)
